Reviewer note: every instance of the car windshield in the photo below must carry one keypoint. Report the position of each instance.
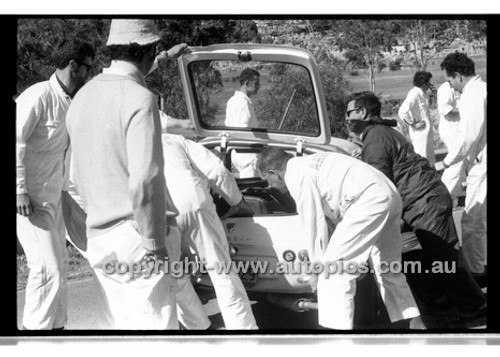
(255, 95)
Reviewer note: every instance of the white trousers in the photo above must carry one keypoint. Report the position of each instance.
(474, 232)
(42, 236)
(190, 311)
(203, 231)
(453, 177)
(368, 232)
(423, 142)
(131, 302)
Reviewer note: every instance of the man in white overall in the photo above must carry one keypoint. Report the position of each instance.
(41, 162)
(191, 172)
(366, 209)
(447, 101)
(117, 162)
(414, 111)
(471, 147)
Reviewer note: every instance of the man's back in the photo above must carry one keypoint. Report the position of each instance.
(110, 123)
(390, 152)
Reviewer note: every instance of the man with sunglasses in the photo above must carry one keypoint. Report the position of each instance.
(42, 172)
(427, 204)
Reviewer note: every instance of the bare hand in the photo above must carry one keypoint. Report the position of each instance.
(439, 166)
(24, 206)
(420, 125)
(240, 210)
(177, 50)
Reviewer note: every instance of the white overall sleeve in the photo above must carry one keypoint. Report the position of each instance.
(28, 111)
(405, 111)
(310, 210)
(212, 169)
(470, 129)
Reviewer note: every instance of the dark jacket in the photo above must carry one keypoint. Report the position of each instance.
(417, 181)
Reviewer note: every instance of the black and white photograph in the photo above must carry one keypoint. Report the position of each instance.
(252, 176)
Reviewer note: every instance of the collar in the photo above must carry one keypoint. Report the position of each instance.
(419, 90)
(56, 83)
(377, 121)
(124, 68)
(471, 81)
(239, 93)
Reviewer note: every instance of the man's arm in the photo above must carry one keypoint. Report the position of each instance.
(310, 210)
(404, 111)
(146, 179)
(28, 112)
(470, 126)
(211, 168)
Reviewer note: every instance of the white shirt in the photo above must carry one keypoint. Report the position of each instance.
(471, 135)
(191, 170)
(42, 138)
(240, 111)
(447, 100)
(324, 186)
(415, 108)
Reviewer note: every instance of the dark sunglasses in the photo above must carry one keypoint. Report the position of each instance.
(348, 112)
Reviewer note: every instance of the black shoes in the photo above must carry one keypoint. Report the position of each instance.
(481, 279)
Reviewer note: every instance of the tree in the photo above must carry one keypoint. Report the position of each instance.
(322, 43)
(166, 82)
(426, 37)
(36, 39)
(364, 41)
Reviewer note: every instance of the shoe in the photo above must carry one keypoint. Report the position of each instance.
(481, 279)
(478, 312)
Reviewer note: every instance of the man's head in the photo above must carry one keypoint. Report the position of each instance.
(361, 107)
(271, 164)
(75, 58)
(422, 79)
(134, 41)
(249, 80)
(459, 68)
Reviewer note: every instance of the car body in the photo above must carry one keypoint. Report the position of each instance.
(292, 114)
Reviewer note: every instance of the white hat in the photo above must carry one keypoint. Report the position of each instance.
(126, 32)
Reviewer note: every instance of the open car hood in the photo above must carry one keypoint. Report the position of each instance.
(289, 105)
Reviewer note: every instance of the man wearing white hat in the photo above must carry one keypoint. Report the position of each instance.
(115, 131)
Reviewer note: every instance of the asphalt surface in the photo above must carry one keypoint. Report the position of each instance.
(83, 314)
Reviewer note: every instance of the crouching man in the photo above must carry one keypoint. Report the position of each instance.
(366, 209)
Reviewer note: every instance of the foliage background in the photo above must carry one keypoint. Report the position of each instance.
(340, 46)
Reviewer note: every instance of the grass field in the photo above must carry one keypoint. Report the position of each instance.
(396, 84)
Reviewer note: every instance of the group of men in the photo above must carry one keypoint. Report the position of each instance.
(118, 170)
(146, 195)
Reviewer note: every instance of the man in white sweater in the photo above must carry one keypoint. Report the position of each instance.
(117, 162)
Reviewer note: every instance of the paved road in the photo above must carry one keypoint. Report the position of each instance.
(82, 314)
(82, 311)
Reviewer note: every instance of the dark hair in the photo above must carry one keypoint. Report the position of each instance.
(71, 49)
(458, 63)
(421, 78)
(133, 52)
(367, 100)
(248, 74)
(272, 158)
